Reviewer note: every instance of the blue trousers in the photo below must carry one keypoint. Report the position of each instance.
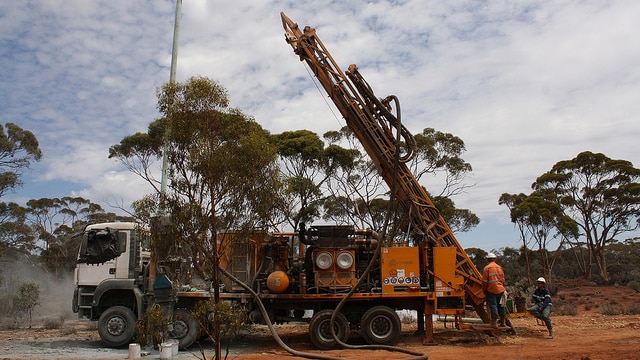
(542, 313)
(493, 300)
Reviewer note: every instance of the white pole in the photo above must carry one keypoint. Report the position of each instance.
(172, 78)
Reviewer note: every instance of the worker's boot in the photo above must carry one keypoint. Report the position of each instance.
(550, 333)
(494, 323)
(502, 322)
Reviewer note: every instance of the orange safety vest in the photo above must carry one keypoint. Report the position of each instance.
(493, 278)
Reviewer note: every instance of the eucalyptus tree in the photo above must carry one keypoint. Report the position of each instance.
(15, 232)
(600, 194)
(46, 215)
(45, 229)
(222, 176)
(307, 167)
(539, 221)
(301, 157)
(54, 222)
(355, 192)
(439, 154)
(359, 193)
(222, 171)
(18, 148)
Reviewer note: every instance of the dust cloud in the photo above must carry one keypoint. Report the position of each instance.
(56, 292)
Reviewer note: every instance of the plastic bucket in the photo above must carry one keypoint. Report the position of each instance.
(174, 346)
(134, 351)
(166, 350)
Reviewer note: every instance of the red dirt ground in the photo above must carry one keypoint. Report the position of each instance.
(587, 335)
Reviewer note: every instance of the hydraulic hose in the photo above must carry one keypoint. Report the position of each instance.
(273, 331)
(419, 355)
(376, 253)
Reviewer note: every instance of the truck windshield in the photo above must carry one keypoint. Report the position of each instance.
(99, 246)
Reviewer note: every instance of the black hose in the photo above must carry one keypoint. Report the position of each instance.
(376, 255)
(275, 335)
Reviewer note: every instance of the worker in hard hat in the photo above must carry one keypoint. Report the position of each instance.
(541, 308)
(493, 286)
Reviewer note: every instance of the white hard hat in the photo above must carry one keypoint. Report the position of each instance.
(491, 256)
(541, 279)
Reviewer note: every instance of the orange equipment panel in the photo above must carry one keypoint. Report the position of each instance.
(400, 269)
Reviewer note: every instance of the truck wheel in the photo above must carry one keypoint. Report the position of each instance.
(116, 326)
(380, 326)
(185, 328)
(320, 332)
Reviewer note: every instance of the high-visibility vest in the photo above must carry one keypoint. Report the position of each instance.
(493, 278)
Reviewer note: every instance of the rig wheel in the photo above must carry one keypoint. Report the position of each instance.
(380, 325)
(186, 328)
(320, 332)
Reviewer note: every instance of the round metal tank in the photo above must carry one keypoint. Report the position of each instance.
(278, 282)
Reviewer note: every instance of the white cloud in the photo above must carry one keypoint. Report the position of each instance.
(525, 84)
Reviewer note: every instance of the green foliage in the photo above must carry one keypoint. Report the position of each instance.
(222, 174)
(357, 193)
(584, 204)
(15, 230)
(303, 145)
(305, 167)
(18, 148)
(599, 194)
(441, 152)
(220, 320)
(459, 220)
(27, 298)
(46, 227)
(152, 327)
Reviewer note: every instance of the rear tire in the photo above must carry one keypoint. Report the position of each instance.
(186, 328)
(320, 332)
(380, 325)
(117, 326)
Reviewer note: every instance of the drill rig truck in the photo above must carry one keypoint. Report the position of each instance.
(310, 271)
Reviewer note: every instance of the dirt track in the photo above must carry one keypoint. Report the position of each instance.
(585, 336)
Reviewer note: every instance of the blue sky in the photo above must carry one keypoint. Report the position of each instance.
(524, 83)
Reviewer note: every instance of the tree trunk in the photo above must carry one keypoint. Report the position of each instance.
(602, 264)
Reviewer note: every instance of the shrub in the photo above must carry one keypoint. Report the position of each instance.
(406, 317)
(55, 323)
(27, 298)
(230, 320)
(70, 330)
(610, 310)
(633, 309)
(565, 309)
(152, 327)
(634, 284)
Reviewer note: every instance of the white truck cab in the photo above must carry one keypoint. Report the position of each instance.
(110, 275)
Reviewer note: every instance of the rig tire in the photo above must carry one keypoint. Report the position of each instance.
(320, 332)
(380, 325)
